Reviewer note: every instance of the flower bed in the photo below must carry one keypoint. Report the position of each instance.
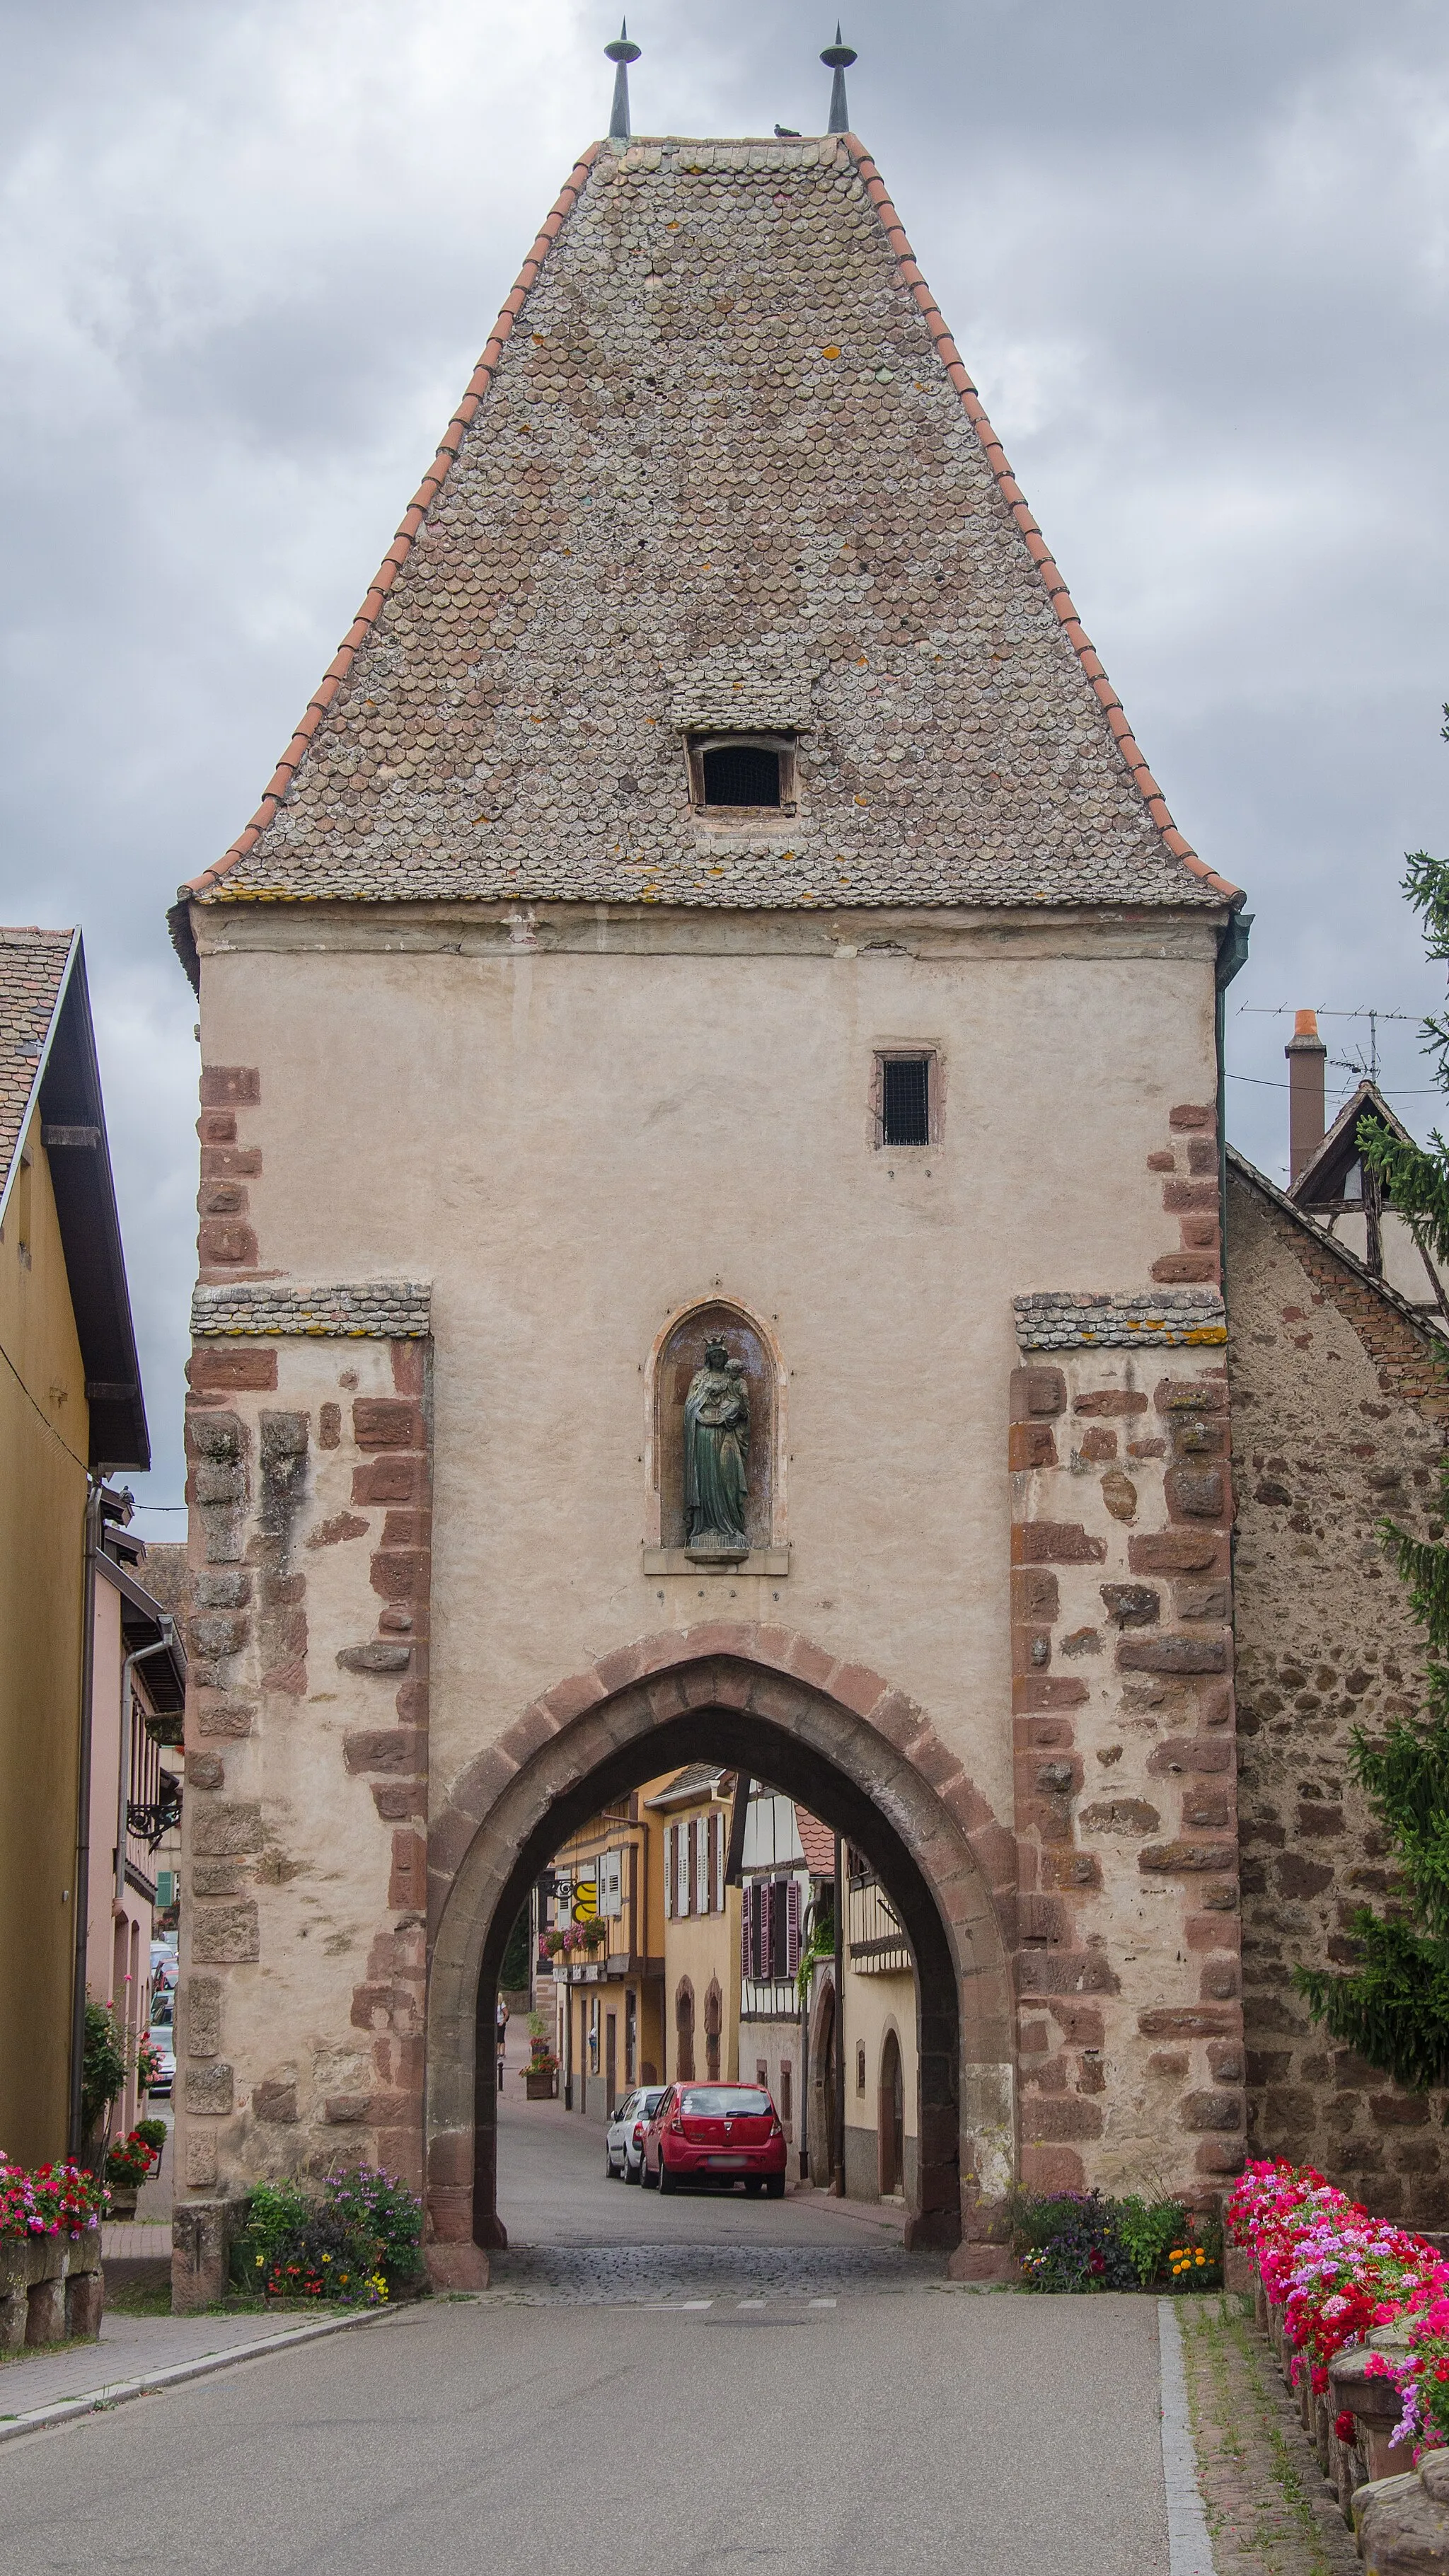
(129, 2162)
(356, 2240)
(1338, 2276)
(1080, 2240)
(50, 2254)
(53, 2200)
(1358, 2314)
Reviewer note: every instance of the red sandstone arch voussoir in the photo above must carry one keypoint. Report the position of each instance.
(776, 1673)
(870, 1733)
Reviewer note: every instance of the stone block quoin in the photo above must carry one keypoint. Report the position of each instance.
(226, 1241)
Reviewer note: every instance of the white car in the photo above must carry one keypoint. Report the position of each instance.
(161, 2033)
(624, 2144)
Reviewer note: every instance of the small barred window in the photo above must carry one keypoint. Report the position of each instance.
(905, 1113)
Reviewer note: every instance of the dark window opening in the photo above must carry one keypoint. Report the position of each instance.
(906, 1100)
(741, 773)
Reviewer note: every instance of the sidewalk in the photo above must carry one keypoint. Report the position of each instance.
(134, 2352)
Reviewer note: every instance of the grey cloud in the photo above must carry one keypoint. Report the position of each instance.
(1197, 260)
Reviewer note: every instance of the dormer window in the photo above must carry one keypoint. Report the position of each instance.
(734, 773)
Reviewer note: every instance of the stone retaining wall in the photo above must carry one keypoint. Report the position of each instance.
(52, 2290)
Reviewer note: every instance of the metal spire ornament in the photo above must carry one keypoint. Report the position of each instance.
(838, 58)
(622, 53)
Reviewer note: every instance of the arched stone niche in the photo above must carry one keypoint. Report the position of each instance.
(676, 1356)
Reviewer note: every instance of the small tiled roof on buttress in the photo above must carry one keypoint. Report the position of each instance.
(720, 466)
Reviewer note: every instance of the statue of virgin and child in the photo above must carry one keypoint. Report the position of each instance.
(716, 1457)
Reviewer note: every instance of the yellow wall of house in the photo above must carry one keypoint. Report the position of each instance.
(874, 2005)
(42, 1538)
(702, 1947)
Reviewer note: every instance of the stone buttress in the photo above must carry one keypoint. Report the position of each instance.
(304, 1900)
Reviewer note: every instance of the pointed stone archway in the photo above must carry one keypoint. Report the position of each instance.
(834, 1735)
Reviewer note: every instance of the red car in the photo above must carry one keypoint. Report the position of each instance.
(724, 2133)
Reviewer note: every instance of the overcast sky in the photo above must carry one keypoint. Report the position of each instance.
(1196, 258)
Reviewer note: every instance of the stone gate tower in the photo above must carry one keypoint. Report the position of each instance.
(713, 890)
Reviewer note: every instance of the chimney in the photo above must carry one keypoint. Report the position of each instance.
(1307, 1056)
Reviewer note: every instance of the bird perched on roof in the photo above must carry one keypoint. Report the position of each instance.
(788, 133)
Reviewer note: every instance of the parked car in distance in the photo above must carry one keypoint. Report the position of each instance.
(163, 2043)
(624, 2143)
(161, 2034)
(718, 2133)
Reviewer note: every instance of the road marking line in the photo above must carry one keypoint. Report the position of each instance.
(1189, 2547)
(822, 2303)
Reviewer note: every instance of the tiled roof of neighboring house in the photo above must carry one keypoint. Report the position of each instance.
(720, 463)
(48, 1054)
(32, 977)
(1322, 1178)
(697, 1781)
(817, 1842)
(1423, 1318)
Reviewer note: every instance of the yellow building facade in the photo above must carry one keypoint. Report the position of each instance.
(70, 1410)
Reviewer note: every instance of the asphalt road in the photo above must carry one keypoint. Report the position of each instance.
(706, 2384)
(943, 2433)
(552, 2190)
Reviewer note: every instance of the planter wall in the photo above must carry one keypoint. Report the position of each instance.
(1403, 2523)
(52, 2290)
(1400, 2515)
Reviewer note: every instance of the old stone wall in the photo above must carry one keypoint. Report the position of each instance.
(302, 1968)
(1339, 1417)
(1130, 2026)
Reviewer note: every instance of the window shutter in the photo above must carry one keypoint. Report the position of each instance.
(714, 1825)
(669, 1834)
(746, 1962)
(763, 1891)
(792, 1927)
(693, 1904)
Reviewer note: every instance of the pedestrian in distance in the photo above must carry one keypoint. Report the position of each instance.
(501, 2024)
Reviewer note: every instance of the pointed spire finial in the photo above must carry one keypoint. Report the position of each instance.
(622, 53)
(838, 58)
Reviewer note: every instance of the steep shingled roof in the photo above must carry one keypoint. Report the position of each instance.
(32, 977)
(720, 460)
(48, 1061)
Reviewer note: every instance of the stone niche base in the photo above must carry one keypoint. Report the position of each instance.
(52, 2290)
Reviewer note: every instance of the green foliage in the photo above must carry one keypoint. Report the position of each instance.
(355, 2241)
(513, 1973)
(1149, 2229)
(819, 1944)
(103, 2067)
(155, 2133)
(1082, 2241)
(1392, 2005)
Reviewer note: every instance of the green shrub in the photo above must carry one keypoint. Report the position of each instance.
(103, 2066)
(1082, 2241)
(1149, 2229)
(356, 2241)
